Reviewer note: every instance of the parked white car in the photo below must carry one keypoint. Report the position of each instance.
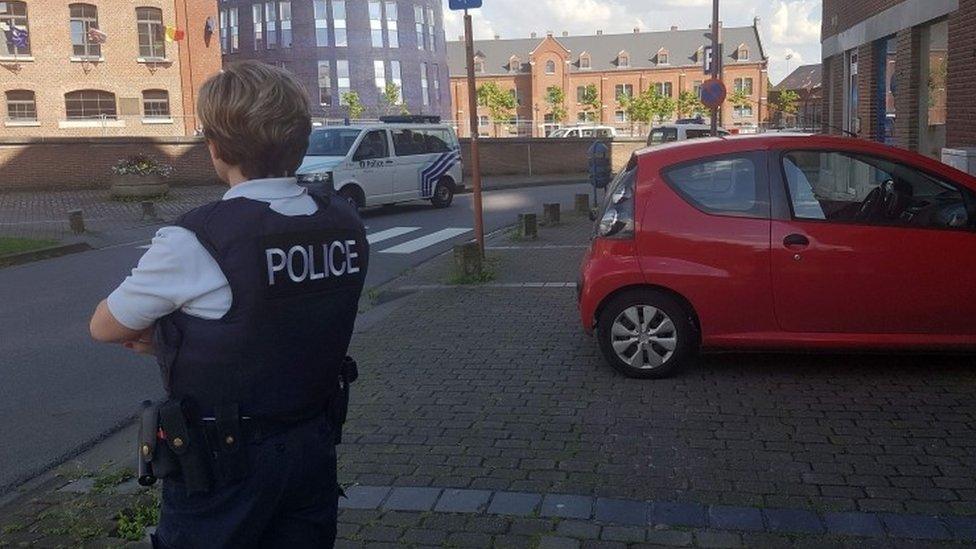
(585, 131)
(384, 163)
(669, 133)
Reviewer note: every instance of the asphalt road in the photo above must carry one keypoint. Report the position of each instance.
(60, 392)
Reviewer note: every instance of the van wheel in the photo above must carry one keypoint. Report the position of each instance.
(352, 195)
(443, 194)
(647, 334)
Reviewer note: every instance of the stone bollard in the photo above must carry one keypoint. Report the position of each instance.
(149, 210)
(582, 203)
(550, 214)
(76, 221)
(528, 226)
(467, 258)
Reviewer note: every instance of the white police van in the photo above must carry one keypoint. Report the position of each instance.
(399, 159)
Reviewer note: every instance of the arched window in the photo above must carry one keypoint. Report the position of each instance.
(89, 104)
(623, 60)
(21, 106)
(584, 61)
(663, 57)
(152, 42)
(155, 104)
(743, 53)
(16, 35)
(84, 18)
(514, 64)
(550, 67)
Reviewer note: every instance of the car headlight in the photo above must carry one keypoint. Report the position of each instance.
(321, 177)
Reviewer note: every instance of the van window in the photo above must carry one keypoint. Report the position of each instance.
(695, 134)
(409, 142)
(662, 135)
(332, 142)
(438, 141)
(373, 145)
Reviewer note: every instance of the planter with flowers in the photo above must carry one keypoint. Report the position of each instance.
(140, 177)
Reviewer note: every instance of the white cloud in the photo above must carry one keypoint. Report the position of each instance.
(796, 22)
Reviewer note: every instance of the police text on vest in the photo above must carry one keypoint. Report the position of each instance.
(312, 262)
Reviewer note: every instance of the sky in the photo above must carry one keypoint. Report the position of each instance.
(788, 27)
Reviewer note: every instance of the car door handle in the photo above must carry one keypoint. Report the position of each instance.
(795, 241)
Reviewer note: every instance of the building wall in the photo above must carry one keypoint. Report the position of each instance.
(304, 55)
(50, 71)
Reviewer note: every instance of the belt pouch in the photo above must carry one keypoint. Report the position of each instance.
(230, 450)
(188, 443)
(148, 425)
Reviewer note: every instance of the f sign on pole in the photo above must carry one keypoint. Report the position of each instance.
(479, 230)
(716, 59)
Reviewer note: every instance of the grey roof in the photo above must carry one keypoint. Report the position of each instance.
(682, 45)
(805, 77)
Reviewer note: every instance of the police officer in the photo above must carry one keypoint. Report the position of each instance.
(248, 303)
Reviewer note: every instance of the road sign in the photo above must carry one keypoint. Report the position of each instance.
(463, 4)
(707, 58)
(713, 93)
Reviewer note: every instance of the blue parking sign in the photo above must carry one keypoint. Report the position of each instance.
(463, 4)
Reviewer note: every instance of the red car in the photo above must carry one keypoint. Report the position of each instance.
(779, 242)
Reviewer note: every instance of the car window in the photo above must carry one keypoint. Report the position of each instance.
(695, 134)
(373, 145)
(438, 141)
(729, 185)
(662, 135)
(409, 142)
(842, 188)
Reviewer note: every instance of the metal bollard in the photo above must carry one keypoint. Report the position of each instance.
(76, 221)
(467, 258)
(528, 226)
(582, 203)
(550, 214)
(149, 210)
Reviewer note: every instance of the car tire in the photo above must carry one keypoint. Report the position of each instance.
(352, 195)
(443, 194)
(652, 329)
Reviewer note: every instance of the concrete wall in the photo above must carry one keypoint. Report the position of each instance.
(543, 156)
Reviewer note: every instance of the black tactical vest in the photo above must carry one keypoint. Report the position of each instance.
(296, 282)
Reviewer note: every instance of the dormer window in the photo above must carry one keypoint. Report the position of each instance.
(550, 67)
(479, 64)
(743, 53)
(663, 57)
(623, 60)
(514, 64)
(584, 61)
(700, 54)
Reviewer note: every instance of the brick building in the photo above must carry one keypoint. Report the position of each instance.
(104, 67)
(902, 72)
(338, 46)
(807, 83)
(669, 61)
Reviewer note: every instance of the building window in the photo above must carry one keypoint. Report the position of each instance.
(379, 76)
(425, 92)
(21, 106)
(339, 21)
(623, 90)
(84, 17)
(743, 85)
(89, 104)
(663, 57)
(418, 15)
(437, 85)
(229, 31)
(321, 23)
(623, 60)
(325, 83)
(432, 43)
(13, 21)
(514, 64)
(392, 31)
(483, 121)
(155, 104)
(584, 61)
(152, 44)
(396, 79)
(376, 22)
(696, 88)
(257, 18)
(342, 79)
(742, 111)
(550, 67)
(479, 65)
(284, 18)
(580, 93)
(664, 88)
(743, 53)
(620, 117)
(270, 19)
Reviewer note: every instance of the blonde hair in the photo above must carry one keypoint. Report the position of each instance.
(256, 116)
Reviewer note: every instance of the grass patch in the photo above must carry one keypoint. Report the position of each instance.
(14, 245)
(13, 527)
(110, 479)
(132, 522)
(487, 274)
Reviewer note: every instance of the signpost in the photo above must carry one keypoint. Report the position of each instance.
(479, 229)
(713, 94)
(716, 67)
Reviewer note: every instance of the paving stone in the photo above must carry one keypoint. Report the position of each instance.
(412, 499)
(794, 521)
(677, 514)
(963, 528)
(514, 503)
(724, 517)
(379, 533)
(578, 529)
(854, 524)
(567, 506)
(364, 497)
(675, 538)
(914, 527)
(468, 539)
(619, 511)
(555, 542)
(515, 542)
(629, 534)
(718, 540)
(80, 486)
(462, 501)
(424, 536)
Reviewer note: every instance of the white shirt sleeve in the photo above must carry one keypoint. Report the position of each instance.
(176, 272)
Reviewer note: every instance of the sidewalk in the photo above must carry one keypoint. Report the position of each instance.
(483, 417)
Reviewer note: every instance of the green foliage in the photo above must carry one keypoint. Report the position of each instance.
(132, 522)
(500, 103)
(662, 106)
(355, 105)
(390, 98)
(141, 165)
(591, 99)
(740, 99)
(14, 245)
(689, 104)
(556, 99)
(648, 106)
(108, 480)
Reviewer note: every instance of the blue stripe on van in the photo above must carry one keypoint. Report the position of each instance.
(437, 168)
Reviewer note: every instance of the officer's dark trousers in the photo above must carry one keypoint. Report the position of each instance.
(289, 498)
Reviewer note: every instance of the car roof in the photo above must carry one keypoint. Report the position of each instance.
(381, 125)
(691, 126)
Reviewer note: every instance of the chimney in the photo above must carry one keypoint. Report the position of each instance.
(549, 34)
(497, 37)
(755, 21)
(565, 34)
(532, 35)
(674, 27)
(636, 30)
(599, 32)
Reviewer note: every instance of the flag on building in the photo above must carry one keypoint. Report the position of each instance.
(96, 36)
(18, 37)
(174, 34)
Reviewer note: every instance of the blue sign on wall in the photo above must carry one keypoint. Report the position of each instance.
(463, 4)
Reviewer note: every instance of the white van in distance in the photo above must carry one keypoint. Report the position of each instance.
(399, 159)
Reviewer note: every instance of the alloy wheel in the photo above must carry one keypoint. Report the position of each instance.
(643, 337)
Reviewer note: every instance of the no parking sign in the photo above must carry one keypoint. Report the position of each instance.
(713, 93)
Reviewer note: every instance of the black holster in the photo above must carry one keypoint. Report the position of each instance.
(348, 374)
(185, 439)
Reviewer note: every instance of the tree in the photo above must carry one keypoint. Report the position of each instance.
(786, 103)
(351, 100)
(740, 100)
(499, 102)
(391, 98)
(662, 106)
(689, 104)
(555, 98)
(638, 108)
(591, 102)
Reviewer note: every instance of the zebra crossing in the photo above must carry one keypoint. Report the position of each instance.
(407, 247)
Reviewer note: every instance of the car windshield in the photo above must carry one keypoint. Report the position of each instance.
(332, 142)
